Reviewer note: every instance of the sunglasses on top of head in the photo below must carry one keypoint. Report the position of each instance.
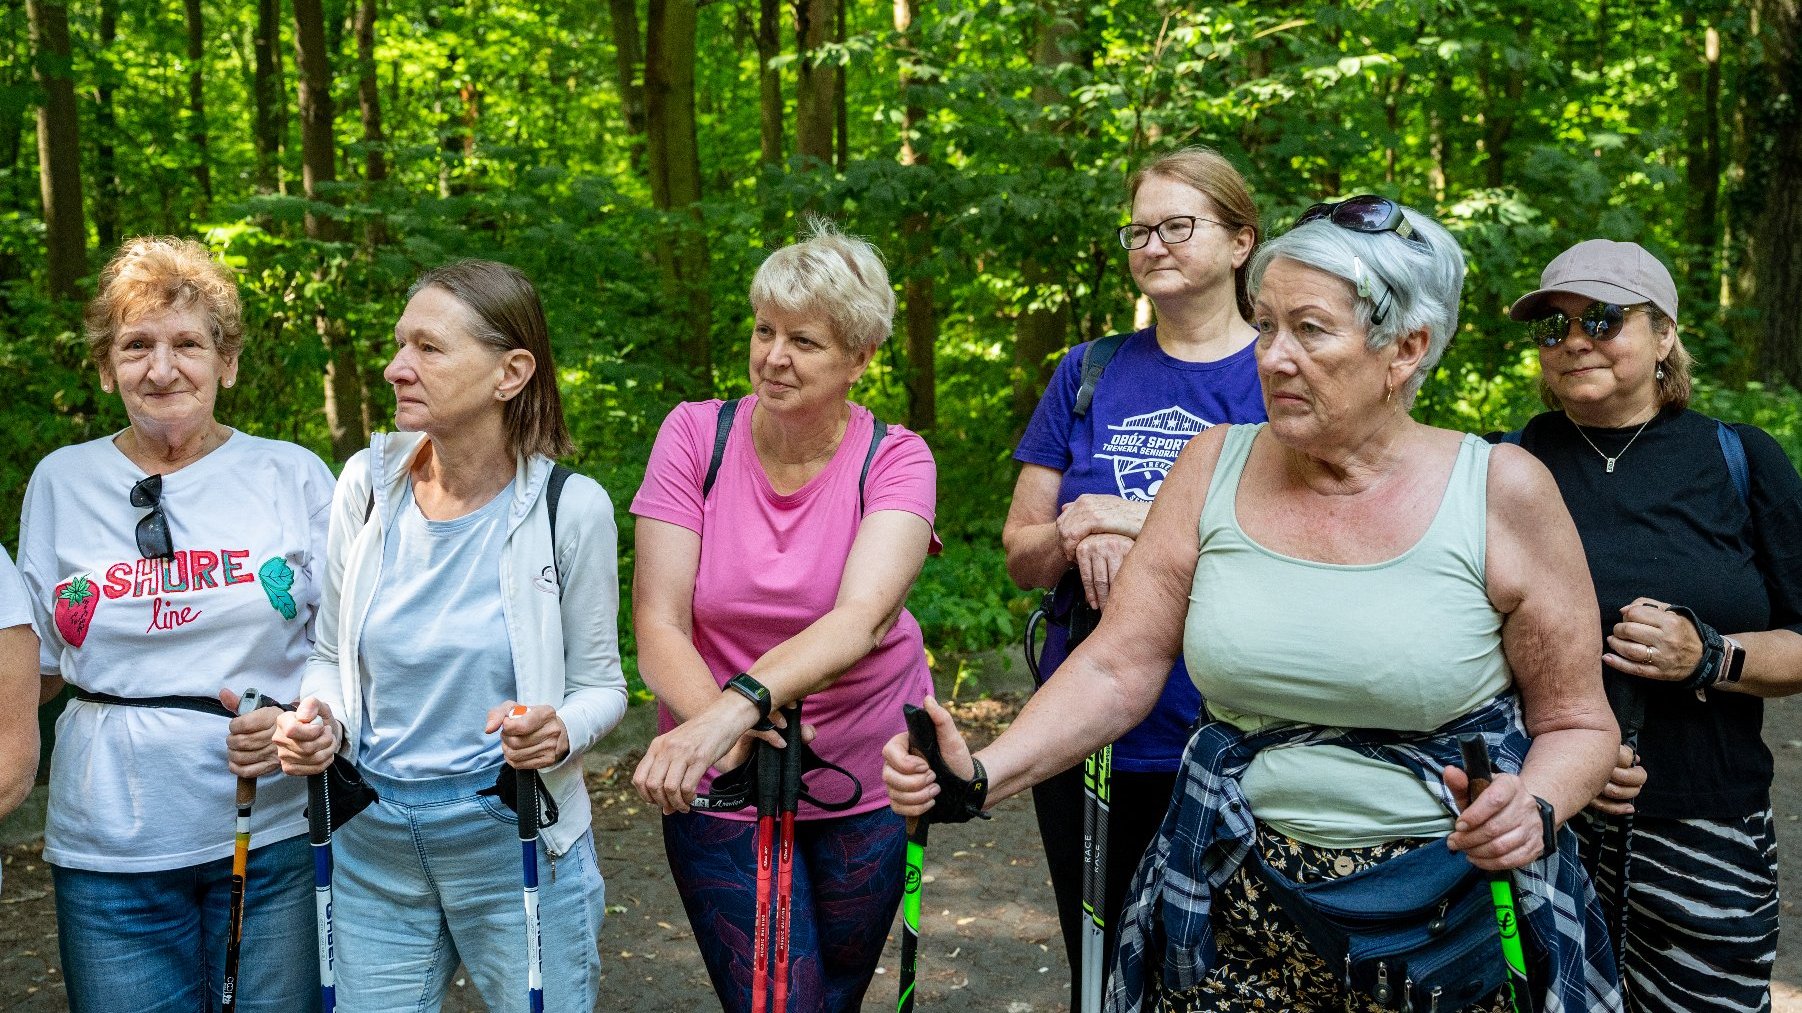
(1364, 213)
(153, 527)
(1601, 321)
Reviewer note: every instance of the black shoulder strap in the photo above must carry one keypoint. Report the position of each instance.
(876, 436)
(721, 430)
(1734, 450)
(553, 491)
(1512, 436)
(1094, 359)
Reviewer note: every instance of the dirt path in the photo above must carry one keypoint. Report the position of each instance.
(990, 934)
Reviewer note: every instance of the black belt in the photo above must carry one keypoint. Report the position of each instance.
(203, 704)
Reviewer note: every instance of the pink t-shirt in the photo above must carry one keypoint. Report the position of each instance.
(771, 566)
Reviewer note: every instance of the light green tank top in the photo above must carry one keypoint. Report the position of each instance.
(1407, 644)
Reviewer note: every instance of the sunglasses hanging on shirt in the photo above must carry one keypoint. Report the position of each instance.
(153, 527)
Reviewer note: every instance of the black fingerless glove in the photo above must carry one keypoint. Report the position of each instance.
(1708, 670)
(960, 800)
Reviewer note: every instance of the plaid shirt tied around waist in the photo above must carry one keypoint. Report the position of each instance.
(1167, 929)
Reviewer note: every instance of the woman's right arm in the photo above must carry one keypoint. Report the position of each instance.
(663, 588)
(1035, 550)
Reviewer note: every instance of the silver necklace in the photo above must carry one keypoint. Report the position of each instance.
(1610, 460)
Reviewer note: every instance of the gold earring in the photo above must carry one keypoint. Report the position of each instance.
(1388, 392)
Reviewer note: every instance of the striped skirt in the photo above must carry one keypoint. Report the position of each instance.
(1701, 911)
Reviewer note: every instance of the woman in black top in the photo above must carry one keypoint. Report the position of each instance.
(1693, 530)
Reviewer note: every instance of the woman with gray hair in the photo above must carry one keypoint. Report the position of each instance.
(1354, 592)
(778, 535)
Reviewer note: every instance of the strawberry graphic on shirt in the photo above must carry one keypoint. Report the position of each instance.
(75, 603)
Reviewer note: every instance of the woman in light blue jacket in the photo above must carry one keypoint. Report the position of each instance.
(449, 600)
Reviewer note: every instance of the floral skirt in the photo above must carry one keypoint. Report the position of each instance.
(1265, 962)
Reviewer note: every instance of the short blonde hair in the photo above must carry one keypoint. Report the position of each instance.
(152, 273)
(834, 275)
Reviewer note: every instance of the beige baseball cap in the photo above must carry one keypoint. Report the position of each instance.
(1606, 271)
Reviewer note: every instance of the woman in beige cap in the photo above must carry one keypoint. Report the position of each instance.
(1693, 529)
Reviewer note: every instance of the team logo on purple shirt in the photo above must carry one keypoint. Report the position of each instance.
(1142, 448)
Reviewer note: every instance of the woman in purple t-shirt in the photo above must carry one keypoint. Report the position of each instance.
(1089, 471)
(745, 601)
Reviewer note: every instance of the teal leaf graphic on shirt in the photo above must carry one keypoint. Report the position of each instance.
(276, 578)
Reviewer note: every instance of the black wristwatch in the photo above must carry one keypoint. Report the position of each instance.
(754, 691)
(1548, 826)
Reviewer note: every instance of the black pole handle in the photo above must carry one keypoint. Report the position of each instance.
(1476, 763)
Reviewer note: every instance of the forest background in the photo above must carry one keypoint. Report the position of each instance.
(639, 158)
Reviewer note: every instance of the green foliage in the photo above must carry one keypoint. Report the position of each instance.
(1524, 127)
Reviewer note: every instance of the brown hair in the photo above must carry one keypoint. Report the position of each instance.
(1208, 171)
(152, 273)
(507, 315)
(1673, 388)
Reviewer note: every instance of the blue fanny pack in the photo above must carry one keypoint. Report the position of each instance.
(1416, 932)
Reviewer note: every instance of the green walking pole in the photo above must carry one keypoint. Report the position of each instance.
(1501, 885)
(925, 739)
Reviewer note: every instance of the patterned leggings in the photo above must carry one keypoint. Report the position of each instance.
(1701, 910)
(846, 889)
(1265, 963)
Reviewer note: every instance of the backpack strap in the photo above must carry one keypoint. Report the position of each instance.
(1095, 359)
(1734, 450)
(721, 430)
(1512, 436)
(869, 456)
(553, 491)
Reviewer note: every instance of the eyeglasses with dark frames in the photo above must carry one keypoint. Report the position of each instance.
(1601, 321)
(1365, 213)
(153, 527)
(1173, 230)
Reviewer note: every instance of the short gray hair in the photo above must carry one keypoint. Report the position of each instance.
(834, 275)
(1423, 284)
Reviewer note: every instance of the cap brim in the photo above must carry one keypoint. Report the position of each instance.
(1533, 305)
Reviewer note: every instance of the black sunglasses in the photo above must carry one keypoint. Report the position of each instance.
(1601, 321)
(1364, 213)
(153, 527)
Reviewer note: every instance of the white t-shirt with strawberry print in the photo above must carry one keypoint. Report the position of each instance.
(136, 789)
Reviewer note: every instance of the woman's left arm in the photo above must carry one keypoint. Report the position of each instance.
(1537, 576)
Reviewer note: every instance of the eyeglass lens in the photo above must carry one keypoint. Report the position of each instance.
(1170, 230)
(153, 528)
(1601, 321)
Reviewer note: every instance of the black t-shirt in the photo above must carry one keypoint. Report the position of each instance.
(1668, 524)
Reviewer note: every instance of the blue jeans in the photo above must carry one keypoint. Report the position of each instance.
(846, 887)
(154, 942)
(430, 875)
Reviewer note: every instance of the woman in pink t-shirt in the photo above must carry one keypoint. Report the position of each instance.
(773, 562)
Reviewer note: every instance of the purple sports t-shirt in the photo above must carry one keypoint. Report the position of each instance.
(771, 566)
(1146, 407)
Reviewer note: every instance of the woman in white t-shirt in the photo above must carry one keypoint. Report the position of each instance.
(170, 560)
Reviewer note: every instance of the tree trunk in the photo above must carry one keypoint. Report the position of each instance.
(628, 55)
(1499, 109)
(814, 102)
(1702, 80)
(197, 132)
(106, 172)
(268, 126)
(343, 387)
(1044, 325)
(917, 288)
(59, 149)
(669, 85)
(841, 111)
(1777, 248)
(769, 82)
(369, 104)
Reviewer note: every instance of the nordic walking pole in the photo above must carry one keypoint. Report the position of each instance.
(1501, 886)
(526, 799)
(319, 835)
(769, 791)
(1629, 706)
(924, 737)
(1097, 777)
(234, 936)
(788, 803)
